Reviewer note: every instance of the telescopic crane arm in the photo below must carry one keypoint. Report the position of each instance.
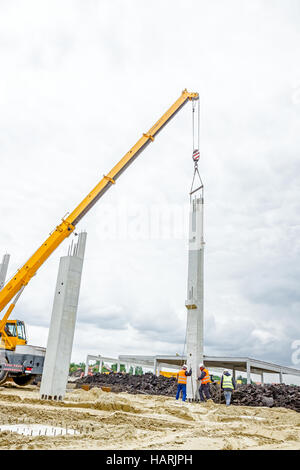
(67, 226)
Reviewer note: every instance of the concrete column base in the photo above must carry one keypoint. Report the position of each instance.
(62, 326)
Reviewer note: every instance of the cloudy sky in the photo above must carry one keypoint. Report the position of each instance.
(80, 82)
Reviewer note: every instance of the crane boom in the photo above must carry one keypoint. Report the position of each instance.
(67, 226)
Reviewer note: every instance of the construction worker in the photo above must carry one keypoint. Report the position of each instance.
(181, 380)
(227, 385)
(205, 381)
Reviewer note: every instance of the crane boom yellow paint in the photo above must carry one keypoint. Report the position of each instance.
(67, 226)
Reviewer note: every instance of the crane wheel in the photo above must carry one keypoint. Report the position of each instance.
(23, 379)
(3, 374)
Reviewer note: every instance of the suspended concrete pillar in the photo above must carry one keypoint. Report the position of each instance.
(3, 269)
(62, 326)
(194, 302)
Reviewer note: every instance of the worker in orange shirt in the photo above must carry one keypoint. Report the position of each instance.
(205, 381)
(181, 380)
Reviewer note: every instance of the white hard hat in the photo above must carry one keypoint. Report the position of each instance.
(184, 366)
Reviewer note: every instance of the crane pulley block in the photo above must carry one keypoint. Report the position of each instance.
(196, 155)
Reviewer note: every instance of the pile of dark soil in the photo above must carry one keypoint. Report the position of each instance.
(147, 383)
(286, 396)
(275, 395)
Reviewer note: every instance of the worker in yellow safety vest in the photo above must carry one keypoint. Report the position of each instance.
(205, 381)
(227, 385)
(181, 382)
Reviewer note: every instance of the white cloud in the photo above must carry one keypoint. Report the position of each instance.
(263, 336)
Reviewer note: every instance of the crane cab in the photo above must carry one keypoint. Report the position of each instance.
(14, 334)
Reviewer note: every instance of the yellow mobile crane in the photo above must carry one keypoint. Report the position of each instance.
(23, 364)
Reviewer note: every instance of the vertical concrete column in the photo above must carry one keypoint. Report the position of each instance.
(155, 367)
(101, 365)
(3, 269)
(62, 326)
(248, 373)
(234, 374)
(118, 366)
(87, 366)
(194, 302)
(280, 377)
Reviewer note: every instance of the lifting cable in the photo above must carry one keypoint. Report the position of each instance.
(196, 144)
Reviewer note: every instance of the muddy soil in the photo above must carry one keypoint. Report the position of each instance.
(107, 420)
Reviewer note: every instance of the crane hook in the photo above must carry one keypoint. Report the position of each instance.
(196, 146)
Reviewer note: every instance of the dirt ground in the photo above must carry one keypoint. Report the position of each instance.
(106, 420)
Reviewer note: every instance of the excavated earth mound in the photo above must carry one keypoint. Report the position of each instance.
(148, 383)
(275, 395)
